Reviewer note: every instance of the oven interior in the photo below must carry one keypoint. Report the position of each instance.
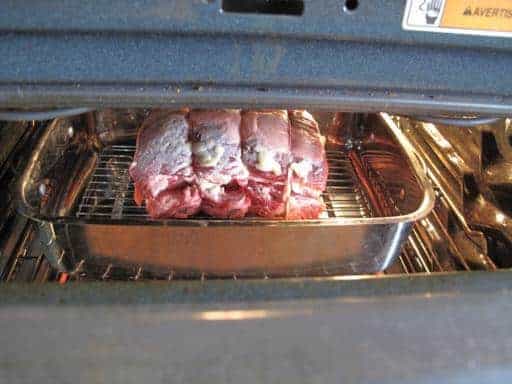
(69, 213)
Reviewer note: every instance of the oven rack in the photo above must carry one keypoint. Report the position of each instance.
(109, 192)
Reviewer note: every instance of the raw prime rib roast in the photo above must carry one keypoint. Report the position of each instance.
(266, 153)
(268, 163)
(221, 175)
(308, 167)
(162, 167)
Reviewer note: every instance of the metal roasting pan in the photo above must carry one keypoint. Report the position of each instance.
(79, 191)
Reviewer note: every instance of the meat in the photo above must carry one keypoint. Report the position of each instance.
(179, 203)
(302, 207)
(162, 167)
(308, 167)
(266, 153)
(226, 164)
(221, 175)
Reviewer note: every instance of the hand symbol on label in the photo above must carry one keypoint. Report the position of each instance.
(433, 10)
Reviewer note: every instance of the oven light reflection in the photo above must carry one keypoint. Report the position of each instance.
(351, 277)
(233, 315)
(249, 314)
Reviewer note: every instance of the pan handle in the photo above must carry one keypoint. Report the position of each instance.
(420, 169)
(23, 205)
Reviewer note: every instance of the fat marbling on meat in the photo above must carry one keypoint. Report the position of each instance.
(220, 174)
(162, 167)
(308, 167)
(266, 153)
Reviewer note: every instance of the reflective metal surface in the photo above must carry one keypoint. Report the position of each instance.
(387, 182)
(21, 258)
(470, 168)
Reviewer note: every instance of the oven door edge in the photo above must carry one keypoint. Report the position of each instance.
(390, 330)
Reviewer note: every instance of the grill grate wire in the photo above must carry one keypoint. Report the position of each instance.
(109, 193)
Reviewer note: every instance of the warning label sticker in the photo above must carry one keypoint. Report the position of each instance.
(473, 17)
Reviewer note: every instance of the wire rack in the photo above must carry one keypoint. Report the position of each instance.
(109, 193)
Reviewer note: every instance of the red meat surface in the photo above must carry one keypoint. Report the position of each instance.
(177, 203)
(162, 167)
(266, 152)
(302, 207)
(220, 173)
(308, 167)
